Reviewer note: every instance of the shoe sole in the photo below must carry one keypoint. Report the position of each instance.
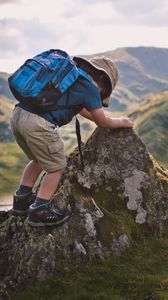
(42, 224)
(19, 213)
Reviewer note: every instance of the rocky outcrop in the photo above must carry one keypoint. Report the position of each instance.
(120, 196)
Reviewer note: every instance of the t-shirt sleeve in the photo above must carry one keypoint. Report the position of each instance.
(92, 99)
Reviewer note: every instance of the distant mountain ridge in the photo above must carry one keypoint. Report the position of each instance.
(143, 71)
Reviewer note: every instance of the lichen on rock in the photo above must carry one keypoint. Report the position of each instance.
(134, 194)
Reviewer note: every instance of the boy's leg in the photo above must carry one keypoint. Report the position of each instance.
(39, 139)
(49, 184)
(30, 174)
(24, 196)
(48, 187)
(41, 213)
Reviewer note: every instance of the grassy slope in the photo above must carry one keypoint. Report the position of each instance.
(4, 87)
(5, 109)
(139, 272)
(151, 124)
(12, 162)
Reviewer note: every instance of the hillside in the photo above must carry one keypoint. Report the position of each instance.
(12, 160)
(151, 123)
(12, 163)
(5, 111)
(4, 88)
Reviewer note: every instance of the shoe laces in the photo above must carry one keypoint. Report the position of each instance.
(54, 213)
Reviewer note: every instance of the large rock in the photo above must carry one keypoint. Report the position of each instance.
(120, 196)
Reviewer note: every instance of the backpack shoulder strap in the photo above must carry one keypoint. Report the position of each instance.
(78, 134)
(84, 74)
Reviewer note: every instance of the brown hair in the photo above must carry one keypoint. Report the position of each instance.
(100, 78)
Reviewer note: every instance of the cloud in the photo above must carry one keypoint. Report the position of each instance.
(3, 2)
(129, 7)
(20, 37)
(150, 13)
(90, 13)
(79, 26)
(90, 2)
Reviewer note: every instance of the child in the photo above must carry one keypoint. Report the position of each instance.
(38, 136)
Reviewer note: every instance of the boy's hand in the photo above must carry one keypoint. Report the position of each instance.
(105, 121)
(122, 122)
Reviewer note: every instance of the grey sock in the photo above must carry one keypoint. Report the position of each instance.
(40, 201)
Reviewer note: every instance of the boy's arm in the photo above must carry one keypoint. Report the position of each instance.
(86, 114)
(105, 121)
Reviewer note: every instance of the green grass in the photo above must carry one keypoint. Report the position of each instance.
(152, 126)
(12, 163)
(141, 271)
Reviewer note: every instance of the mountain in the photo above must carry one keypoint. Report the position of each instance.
(143, 71)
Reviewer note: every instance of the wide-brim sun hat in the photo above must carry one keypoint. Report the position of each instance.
(101, 65)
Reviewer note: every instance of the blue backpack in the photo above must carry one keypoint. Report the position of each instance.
(41, 81)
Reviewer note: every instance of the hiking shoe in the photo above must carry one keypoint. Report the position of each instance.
(46, 215)
(21, 203)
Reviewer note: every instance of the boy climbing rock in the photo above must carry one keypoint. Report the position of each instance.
(37, 133)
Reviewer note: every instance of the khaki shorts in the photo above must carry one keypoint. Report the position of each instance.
(39, 139)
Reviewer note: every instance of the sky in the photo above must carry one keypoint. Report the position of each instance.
(28, 27)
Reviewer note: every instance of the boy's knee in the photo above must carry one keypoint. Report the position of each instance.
(35, 164)
(61, 171)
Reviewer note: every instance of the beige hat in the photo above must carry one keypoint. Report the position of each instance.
(103, 66)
